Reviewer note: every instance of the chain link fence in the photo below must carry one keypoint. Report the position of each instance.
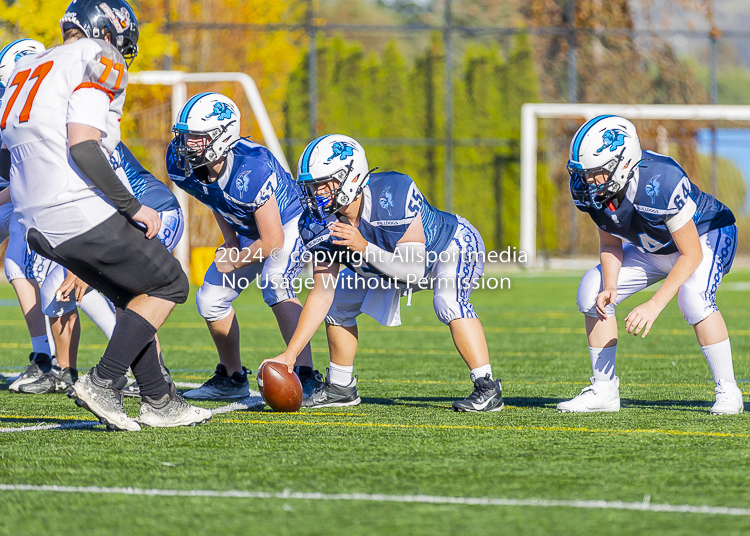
(434, 89)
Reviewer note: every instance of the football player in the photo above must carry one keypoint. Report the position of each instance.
(77, 212)
(654, 224)
(253, 201)
(72, 292)
(383, 229)
(22, 266)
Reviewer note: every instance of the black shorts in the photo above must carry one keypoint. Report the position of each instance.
(117, 259)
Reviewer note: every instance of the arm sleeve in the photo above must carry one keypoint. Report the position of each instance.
(89, 158)
(5, 163)
(407, 262)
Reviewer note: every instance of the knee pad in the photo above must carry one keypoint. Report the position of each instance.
(588, 289)
(214, 303)
(694, 306)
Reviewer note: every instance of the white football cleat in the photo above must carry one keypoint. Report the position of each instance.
(728, 399)
(599, 396)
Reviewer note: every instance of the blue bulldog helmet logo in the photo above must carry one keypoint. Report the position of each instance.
(342, 150)
(652, 188)
(222, 110)
(613, 139)
(22, 54)
(386, 199)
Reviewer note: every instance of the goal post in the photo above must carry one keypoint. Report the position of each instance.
(178, 81)
(531, 113)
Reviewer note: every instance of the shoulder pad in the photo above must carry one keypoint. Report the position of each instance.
(106, 70)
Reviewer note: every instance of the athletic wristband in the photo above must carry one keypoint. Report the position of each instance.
(89, 158)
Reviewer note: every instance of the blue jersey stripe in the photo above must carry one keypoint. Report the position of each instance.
(305, 166)
(582, 133)
(189, 105)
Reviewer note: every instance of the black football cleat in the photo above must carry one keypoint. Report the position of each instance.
(487, 396)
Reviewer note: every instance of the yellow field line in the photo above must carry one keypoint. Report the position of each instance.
(509, 428)
(429, 329)
(433, 426)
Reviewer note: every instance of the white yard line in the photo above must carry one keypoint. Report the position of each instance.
(645, 505)
(43, 426)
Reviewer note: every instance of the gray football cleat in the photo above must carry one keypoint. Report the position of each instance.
(487, 396)
(40, 364)
(171, 410)
(57, 380)
(103, 398)
(329, 395)
(222, 387)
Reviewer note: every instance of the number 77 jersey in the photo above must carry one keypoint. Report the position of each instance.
(73, 83)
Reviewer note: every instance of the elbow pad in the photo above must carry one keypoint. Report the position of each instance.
(90, 159)
(407, 262)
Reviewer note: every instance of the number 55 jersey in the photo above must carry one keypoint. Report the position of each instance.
(659, 200)
(73, 83)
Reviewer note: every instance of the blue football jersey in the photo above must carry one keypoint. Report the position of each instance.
(390, 203)
(250, 177)
(661, 191)
(147, 189)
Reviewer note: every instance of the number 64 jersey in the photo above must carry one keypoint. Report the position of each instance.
(73, 83)
(659, 200)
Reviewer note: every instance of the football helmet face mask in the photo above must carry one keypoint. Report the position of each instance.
(337, 161)
(12, 52)
(604, 154)
(99, 18)
(213, 116)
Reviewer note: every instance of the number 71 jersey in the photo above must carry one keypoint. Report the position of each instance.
(657, 203)
(73, 83)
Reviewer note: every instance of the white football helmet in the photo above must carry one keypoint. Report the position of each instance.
(10, 54)
(206, 114)
(332, 157)
(606, 144)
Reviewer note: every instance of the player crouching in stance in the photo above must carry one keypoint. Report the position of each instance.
(672, 232)
(252, 197)
(380, 226)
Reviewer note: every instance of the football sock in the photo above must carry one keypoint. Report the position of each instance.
(603, 362)
(147, 372)
(132, 334)
(481, 372)
(719, 357)
(98, 310)
(340, 375)
(40, 344)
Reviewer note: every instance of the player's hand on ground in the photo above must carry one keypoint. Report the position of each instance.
(73, 287)
(150, 218)
(348, 236)
(642, 318)
(287, 360)
(604, 298)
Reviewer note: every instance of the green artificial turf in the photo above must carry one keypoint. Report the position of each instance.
(403, 439)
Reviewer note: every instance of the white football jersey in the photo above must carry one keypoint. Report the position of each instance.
(74, 83)
(3, 180)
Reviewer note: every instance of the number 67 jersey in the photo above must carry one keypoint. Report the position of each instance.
(73, 83)
(659, 200)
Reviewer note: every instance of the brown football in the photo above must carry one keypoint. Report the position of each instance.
(280, 388)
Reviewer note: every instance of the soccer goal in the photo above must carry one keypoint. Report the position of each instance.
(532, 113)
(178, 81)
